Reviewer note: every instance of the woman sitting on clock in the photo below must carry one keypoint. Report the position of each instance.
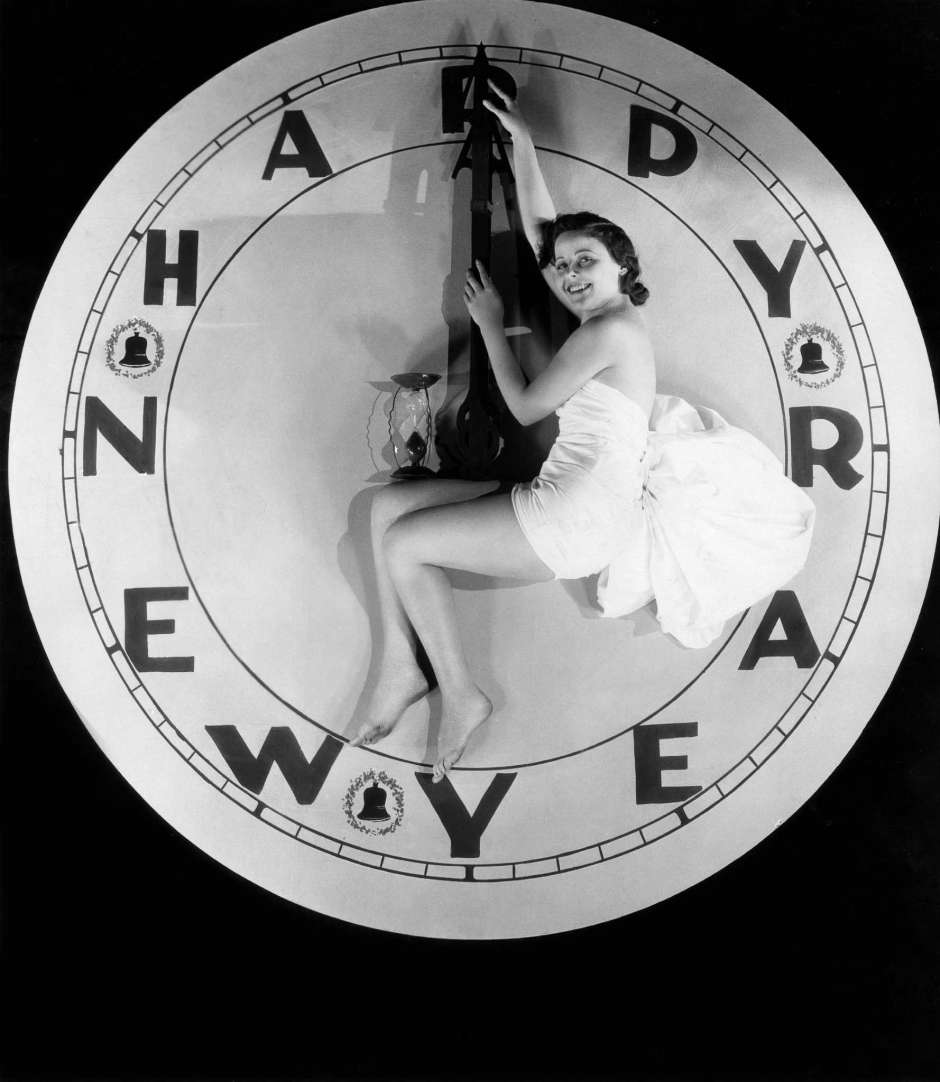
(665, 501)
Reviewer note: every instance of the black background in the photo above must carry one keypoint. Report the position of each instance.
(127, 953)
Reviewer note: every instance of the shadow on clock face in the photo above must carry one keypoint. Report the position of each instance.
(277, 433)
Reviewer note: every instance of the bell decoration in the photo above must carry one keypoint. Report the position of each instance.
(135, 352)
(409, 424)
(811, 359)
(373, 804)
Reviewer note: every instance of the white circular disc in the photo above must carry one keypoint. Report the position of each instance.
(201, 421)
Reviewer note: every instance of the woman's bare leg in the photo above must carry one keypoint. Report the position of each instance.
(482, 537)
(400, 681)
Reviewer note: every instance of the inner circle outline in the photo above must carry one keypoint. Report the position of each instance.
(176, 540)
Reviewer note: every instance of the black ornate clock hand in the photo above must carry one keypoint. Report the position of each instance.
(471, 447)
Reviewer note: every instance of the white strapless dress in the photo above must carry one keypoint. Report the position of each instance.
(684, 508)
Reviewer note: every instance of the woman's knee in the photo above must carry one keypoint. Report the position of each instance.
(395, 500)
(388, 505)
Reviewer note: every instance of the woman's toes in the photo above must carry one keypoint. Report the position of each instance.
(444, 765)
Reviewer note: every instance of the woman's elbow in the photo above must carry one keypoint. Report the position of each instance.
(528, 414)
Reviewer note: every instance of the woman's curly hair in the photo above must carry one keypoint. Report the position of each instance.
(617, 243)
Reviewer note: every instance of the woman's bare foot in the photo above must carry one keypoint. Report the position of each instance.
(461, 719)
(398, 687)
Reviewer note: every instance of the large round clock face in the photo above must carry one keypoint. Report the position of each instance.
(212, 357)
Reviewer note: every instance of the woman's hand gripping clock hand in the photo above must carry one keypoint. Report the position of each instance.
(509, 113)
(483, 302)
(486, 310)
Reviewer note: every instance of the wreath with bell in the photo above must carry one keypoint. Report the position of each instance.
(134, 326)
(395, 792)
(803, 333)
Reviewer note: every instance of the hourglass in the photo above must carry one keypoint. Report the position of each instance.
(409, 424)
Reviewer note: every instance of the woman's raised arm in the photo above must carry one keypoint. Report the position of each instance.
(535, 203)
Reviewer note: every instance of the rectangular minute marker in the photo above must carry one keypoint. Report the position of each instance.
(446, 871)
(702, 802)
(876, 519)
(809, 227)
(88, 333)
(240, 796)
(841, 638)
(734, 779)
(78, 545)
(124, 254)
(820, 678)
(314, 84)
(857, 599)
(104, 628)
(794, 715)
(68, 457)
(758, 169)
(879, 471)
(492, 871)
(535, 867)
(148, 706)
(580, 66)
(617, 78)
(207, 770)
(144, 222)
(410, 56)
(686, 112)
(832, 270)
(873, 383)
(406, 867)
(863, 344)
(626, 844)
(879, 425)
(199, 159)
(502, 52)
(767, 746)
(172, 186)
(727, 141)
(579, 859)
(663, 826)
(310, 837)
(236, 129)
(88, 587)
(179, 742)
(338, 74)
(280, 821)
(360, 856)
(388, 60)
(71, 500)
(269, 107)
(71, 417)
(78, 371)
(869, 556)
(101, 300)
(647, 91)
(847, 300)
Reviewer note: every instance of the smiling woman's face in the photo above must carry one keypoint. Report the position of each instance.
(584, 276)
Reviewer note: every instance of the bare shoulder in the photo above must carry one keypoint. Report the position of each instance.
(625, 355)
(622, 336)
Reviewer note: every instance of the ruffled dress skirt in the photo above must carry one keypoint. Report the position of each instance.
(684, 509)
